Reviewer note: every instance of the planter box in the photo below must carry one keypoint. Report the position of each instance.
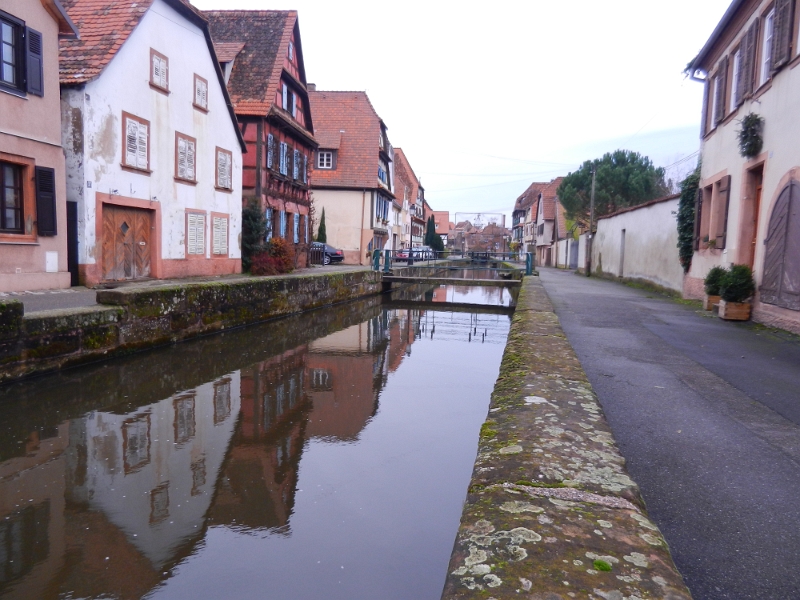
(734, 311)
(710, 301)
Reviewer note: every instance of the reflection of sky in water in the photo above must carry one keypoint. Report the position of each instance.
(473, 294)
(321, 456)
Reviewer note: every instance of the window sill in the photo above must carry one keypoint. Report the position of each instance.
(202, 109)
(223, 190)
(18, 239)
(136, 170)
(14, 92)
(795, 62)
(730, 116)
(213, 256)
(185, 181)
(765, 87)
(160, 89)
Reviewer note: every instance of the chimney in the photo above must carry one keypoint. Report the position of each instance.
(311, 87)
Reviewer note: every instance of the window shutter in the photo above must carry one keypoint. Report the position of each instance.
(182, 158)
(191, 234)
(289, 162)
(46, 224)
(296, 228)
(131, 143)
(268, 219)
(156, 70)
(201, 93)
(270, 150)
(305, 168)
(296, 165)
(216, 236)
(748, 60)
(283, 158)
(293, 104)
(698, 214)
(284, 97)
(782, 33)
(200, 247)
(190, 160)
(722, 86)
(725, 197)
(738, 81)
(141, 146)
(163, 82)
(35, 62)
(223, 235)
(704, 118)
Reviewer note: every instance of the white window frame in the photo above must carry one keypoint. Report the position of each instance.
(159, 70)
(766, 48)
(196, 234)
(186, 147)
(324, 159)
(224, 169)
(736, 71)
(200, 92)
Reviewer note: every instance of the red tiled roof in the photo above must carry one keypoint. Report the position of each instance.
(352, 116)
(529, 196)
(549, 198)
(329, 140)
(104, 25)
(256, 73)
(227, 51)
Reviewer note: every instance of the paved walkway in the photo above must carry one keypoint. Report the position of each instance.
(76, 297)
(707, 413)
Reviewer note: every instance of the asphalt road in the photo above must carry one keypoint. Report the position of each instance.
(707, 414)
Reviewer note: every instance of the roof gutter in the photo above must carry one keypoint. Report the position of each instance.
(693, 67)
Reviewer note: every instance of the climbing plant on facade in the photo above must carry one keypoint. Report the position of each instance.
(685, 218)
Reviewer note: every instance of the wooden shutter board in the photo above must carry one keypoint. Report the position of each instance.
(46, 215)
(782, 33)
(34, 62)
(725, 188)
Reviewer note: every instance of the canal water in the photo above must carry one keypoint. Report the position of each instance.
(319, 456)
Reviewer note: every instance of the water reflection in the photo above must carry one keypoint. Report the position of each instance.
(116, 477)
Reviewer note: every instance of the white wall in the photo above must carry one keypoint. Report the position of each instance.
(650, 245)
(124, 86)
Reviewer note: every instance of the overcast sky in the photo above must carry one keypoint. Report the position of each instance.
(484, 99)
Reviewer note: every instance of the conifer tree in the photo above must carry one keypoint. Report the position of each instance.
(322, 235)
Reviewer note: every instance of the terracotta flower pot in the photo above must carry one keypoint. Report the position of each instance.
(734, 311)
(710, 301)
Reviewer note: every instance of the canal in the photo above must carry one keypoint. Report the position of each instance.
(320, 456)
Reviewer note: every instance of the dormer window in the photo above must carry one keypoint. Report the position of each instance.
(159, 71)
(325, 159)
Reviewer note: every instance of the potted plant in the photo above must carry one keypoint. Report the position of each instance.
(712, 283)
(736, 289)
(750, 135)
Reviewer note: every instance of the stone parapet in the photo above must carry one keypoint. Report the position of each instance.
(133, 318)
(551, 511)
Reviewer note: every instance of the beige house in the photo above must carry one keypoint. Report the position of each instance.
(33, 207)
(748, 211)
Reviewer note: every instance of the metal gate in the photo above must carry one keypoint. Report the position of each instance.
(781, 282)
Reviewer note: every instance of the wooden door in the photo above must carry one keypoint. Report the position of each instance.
(781, 282)
(126, 242)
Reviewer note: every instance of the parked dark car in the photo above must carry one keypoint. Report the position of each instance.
(329, 253)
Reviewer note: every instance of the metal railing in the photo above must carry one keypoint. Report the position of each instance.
(384, 260)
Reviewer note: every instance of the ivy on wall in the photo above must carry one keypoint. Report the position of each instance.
(686, 210)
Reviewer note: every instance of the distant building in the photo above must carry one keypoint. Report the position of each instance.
(154, 152)
(549, 224)
(407, 190)
(523, 216)
(748, 207)
(33, 198)
(353, 177)
(262, 57)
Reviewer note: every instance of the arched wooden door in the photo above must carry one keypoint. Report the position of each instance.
(781, 282)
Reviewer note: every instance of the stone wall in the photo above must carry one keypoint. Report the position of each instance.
(134, 318)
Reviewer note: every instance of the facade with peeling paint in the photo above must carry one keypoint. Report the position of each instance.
(154, 153)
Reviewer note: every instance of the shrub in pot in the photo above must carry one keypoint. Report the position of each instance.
(712, 282)
(736, 289)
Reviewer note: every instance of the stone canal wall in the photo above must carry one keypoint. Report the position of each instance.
(551, 512)
(134, 318)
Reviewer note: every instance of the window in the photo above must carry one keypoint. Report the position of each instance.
(21, 57)
(285, 96)
(200, 93)
(268, 221)
(10, 198)
(296, 228)
(296, 165)
(291, 51)
(159, 67)
(383, 172)
(185, 157)
(224, 169)
(283, 224)
(736, 79)
(766, 48)
(720, 87)
(284, 158)
(196, 234)
(305, 223)
(220, 236)
(324, 159)
(136, 154)
(305, 168)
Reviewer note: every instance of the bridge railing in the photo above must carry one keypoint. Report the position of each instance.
(426, 256)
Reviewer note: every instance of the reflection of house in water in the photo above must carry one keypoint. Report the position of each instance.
(106, 504)
(110, 500)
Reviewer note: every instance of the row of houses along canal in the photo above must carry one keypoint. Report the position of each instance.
(324, 455)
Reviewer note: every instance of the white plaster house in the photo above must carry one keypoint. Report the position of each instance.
(748, 211)
(154, 151)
